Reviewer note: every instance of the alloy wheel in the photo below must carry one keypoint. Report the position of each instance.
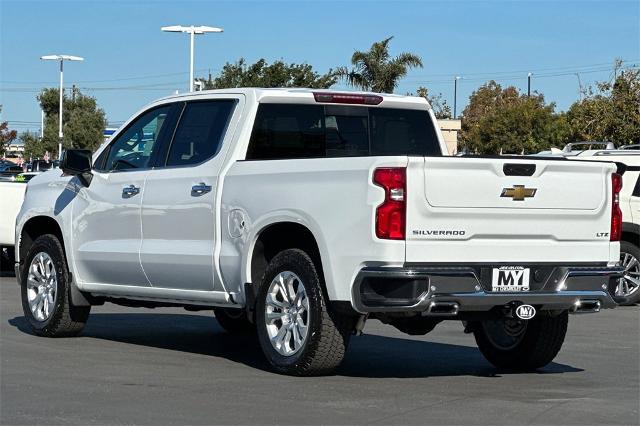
(287, 313)
(630, 281)
(42, 284)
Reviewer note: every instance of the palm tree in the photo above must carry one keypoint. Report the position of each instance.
(375, 70)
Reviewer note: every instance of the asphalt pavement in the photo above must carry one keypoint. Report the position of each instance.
(170, 366)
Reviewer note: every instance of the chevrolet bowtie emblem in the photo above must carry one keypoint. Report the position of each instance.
(518, 192)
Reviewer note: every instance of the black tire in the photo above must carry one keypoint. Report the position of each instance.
(536, 347)
(633, 250)
(66, 319)
(328, 332)
(234, 321)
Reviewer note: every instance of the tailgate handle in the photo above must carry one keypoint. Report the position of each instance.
(518, 169)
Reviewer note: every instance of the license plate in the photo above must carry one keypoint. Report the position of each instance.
(510, 279)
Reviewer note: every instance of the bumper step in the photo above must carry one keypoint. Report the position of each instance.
(447, 291)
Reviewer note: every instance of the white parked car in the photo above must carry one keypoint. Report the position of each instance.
(11, 196)
(12, 191)
(628, 290)
(299, 214)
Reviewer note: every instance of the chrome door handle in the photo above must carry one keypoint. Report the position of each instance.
(130, 191)
(200, 189)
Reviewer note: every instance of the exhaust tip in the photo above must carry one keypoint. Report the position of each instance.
(443, 308)
(586, 306)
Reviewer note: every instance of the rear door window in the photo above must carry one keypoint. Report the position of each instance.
(200, 131)
(284, 131)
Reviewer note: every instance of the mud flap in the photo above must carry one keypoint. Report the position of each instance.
(77, 297)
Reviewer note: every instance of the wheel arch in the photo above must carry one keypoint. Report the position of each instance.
(35, 227)
(275, 237)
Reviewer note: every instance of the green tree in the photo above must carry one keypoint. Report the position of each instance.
(610, 111)
(33, 145)
(261, 74)
(375, 70)
(501, 120)
(83, 122)
(6, 136)
(438, 104)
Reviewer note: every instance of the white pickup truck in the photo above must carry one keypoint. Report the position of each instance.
(298, 214)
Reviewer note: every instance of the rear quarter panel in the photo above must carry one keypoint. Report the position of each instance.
(334, 198)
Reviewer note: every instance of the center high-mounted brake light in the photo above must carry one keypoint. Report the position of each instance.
(616, 213)
(346, 98)
(391, 214)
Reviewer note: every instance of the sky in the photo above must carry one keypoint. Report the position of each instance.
(129, 62)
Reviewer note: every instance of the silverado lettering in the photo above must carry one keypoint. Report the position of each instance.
(425, 232)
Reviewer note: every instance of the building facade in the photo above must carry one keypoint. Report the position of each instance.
(450, 130)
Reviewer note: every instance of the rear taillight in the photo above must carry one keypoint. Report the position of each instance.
(346, 98)
(391, 214)
(616, 213)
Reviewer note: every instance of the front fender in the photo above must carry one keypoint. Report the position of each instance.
(48, 195)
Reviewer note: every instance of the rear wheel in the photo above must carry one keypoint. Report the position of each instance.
(46, 291)
(234, 321)
(298, 333)
(521, 345)
(628, 288)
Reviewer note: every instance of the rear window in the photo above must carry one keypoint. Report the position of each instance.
(314, 131)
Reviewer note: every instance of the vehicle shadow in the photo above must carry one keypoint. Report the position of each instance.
(369, 355)
(67, 195)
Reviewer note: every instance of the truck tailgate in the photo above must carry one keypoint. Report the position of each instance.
(502, 210)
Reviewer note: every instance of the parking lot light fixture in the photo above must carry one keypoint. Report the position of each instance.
(192, 31)
(455, 95)
(61, 59)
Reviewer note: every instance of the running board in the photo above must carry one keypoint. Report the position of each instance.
(167, 295)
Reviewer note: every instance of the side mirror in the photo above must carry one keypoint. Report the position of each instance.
(77, 162)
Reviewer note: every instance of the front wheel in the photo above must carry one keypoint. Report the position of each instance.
(298, 333)
(46, 291)
(515, 344)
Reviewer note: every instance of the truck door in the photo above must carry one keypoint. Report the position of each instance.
(179, 218)
(106, 214)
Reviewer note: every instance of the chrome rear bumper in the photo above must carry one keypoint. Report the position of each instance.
(447, 291)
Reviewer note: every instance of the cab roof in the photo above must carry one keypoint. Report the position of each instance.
(304, 96)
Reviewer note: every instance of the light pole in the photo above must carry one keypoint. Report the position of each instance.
(455, 95)
(529, 85)
(192, 31)
(61, 59)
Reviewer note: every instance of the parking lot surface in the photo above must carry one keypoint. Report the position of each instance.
(170, 366)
